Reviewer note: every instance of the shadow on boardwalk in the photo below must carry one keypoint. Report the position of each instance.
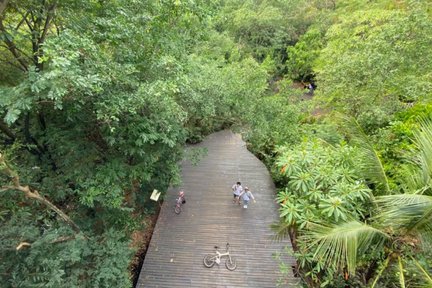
(209, 218)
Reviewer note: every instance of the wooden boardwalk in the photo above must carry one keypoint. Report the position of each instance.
(209, 218)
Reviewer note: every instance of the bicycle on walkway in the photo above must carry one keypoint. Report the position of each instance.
(179, 202)
(211, 259)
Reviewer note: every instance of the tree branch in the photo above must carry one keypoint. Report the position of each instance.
(50, 16)
(32, 193)
(5, 129)
(23, 244)
(12, 47)
(29, 138)
(32, 16)
(13, 64)
(55, 241)
(24, 19)
(18, 49)
(5, 188)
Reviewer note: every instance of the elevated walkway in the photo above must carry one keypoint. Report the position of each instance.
(209, 218)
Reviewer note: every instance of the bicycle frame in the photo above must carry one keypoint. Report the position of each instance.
(210, 259)
(220, 255)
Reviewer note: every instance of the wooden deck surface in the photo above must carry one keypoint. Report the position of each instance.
(209, 218)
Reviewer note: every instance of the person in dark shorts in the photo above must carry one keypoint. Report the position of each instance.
(237, 190)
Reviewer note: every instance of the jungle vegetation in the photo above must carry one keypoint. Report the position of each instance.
(99, 97)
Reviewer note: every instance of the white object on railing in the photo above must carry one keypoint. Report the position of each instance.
(155, 195)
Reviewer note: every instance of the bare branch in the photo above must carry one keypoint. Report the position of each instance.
(23, 244)
(12, 47)
(22, 52)
(24, 19)
(62, 239)
(5, 188)
(32, 16)
(13, 64)
(50, 16)
(18, 49)
(33, 194)
(55, 241)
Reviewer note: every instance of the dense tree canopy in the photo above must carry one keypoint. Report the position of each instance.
(98, 99)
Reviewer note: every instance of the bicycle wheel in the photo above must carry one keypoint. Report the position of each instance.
(177, 209)
(209, 260)
(231, 263)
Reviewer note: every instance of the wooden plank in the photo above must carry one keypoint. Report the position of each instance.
(209, 218)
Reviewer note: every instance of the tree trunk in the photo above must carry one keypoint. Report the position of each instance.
(3, 4)
(293, 237)
(5, 129)
(370, 271)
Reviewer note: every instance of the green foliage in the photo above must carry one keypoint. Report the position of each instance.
(361, 69)
(321, 183)
(55, 257)
(370, 166)
(402, 218)
(273, 121)
(265, 28)
(99, 98)
(395, 144)
(99, 118)
(303, 54)
(340, 245)
(321, 186)
(220, 94)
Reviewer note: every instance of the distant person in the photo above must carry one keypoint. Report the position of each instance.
(237, 190)
(181, 199)
(311, 88)
(246, 195)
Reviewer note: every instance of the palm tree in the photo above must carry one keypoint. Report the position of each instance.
(403, 222)
(371, 167)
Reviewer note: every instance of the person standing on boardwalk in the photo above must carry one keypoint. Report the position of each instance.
(237, 190)
(246, 195)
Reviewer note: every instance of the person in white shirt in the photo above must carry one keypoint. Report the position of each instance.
(237, 190)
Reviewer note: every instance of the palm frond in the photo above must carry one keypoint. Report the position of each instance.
(423, 141)
(281, 230)
(401, 274)
(409, 213)
(427, 276)
(413, 179)
(384, 266)
(339, 244)
(370, 165)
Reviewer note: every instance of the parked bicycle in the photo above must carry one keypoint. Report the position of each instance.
(211, 259)
(179, 202)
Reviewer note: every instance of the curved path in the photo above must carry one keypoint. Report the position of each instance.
(179, 242)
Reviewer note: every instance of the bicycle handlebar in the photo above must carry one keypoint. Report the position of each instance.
(227, 246)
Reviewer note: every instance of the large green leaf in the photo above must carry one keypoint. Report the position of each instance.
(407, 213)
(339, 245)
